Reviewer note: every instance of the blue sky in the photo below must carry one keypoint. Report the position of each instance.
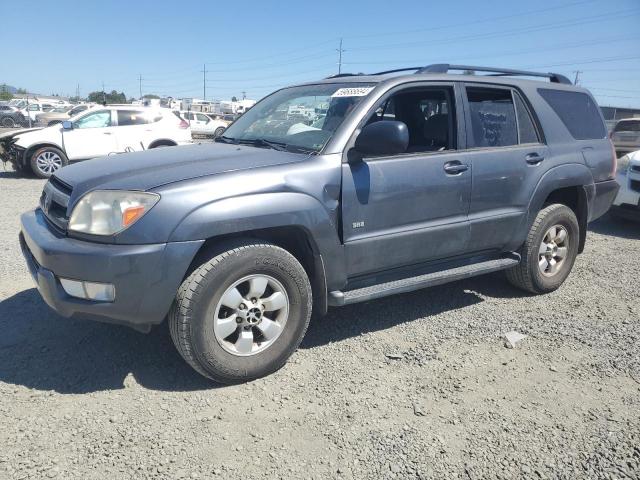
(258, 46)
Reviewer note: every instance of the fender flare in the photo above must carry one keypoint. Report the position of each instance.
(247, 213)
(562, 176)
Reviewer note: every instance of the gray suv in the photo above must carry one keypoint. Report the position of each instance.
(333, 192)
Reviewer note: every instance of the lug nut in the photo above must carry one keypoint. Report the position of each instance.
(238, 320)
(242, 306)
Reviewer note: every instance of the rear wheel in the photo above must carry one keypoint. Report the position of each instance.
(549, 252)
(8, 122)
(219, 131)
(47, 160)
(242, 314)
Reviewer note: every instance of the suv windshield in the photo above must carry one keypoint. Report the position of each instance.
(299, 119)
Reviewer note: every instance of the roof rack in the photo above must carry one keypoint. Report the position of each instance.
(445, 67)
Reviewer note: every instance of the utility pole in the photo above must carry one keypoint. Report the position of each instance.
(244, 95)
(577, 79)
(140, 82)
(340, 50)
(104, 96)
(78, 92)
(204, 81)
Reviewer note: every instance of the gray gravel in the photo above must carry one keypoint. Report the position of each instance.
(415, 386)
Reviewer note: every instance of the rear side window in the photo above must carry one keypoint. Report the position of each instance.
(526, 128)
(493, 117)
(627, 126)
(131, 117)
(578, 112)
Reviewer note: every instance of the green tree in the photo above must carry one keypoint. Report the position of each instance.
(113, 97)
(4, 92)
(150, 96)
(21, 91)
(234, 99)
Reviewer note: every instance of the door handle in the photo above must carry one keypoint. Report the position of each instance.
(533, 159)
(455, 167)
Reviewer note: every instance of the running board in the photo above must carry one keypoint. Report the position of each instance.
(338, 298)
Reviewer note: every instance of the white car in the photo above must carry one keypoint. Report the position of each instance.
(627, 202)
(201, 124)
(33, 109)
(94, 133)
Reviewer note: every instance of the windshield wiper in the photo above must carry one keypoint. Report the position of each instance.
(224, 139)
(261, 142)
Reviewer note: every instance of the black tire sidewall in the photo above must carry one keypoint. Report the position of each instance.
(218, 131)
(270, 261)
(8, 122)
(34, 167)
(561, 216)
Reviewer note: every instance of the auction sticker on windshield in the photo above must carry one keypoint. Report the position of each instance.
(352, 92)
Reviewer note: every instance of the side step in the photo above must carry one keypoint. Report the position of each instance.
(338, 298)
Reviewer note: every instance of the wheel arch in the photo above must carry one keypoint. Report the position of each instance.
(565, 184)
(162, 142)
(26, 156)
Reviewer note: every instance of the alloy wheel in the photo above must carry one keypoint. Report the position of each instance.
(48, 162)
(251, 315)
(553, 250)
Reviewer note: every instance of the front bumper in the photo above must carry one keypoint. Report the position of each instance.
(146, 277)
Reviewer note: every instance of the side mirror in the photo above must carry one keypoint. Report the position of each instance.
(386, 137)
(67, 125)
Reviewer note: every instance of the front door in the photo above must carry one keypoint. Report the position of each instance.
(93, 135)
(410, 208)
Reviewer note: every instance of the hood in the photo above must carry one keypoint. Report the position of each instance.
(156, 167)
(15, 133)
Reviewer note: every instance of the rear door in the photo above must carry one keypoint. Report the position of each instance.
(93, 135)
(508, 158)
(133, 129)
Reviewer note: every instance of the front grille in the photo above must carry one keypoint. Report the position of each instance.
(635, 185)
(54, 202)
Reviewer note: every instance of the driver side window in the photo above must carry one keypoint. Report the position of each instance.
(98, 119)
(428, 114)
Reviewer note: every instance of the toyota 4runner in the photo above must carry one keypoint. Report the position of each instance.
(388, 183)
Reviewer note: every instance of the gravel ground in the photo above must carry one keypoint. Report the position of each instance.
(414, 386)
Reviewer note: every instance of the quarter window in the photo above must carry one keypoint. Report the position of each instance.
(578, 111)
(493, 117)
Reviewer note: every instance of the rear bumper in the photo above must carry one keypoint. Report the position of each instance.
(603, 195)
(146, 277)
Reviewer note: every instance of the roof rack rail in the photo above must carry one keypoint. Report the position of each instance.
(445, 67)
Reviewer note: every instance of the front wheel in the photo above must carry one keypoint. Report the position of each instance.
(47, 160)
(549, 251)
(243, 313)
(8, 122)
(219, 131)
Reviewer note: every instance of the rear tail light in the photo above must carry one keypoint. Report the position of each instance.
(183, 124)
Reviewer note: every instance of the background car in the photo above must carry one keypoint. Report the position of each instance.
(98, 132)
(626, 136)
(11, 117)
(627, 202)
(203, 125)
(60, 114)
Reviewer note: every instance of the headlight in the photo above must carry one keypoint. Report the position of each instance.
(623, 164)
(107, 212)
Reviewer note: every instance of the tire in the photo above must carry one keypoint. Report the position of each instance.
(47, 160)
(219, 131)
(198, 307)
(540, 270)
(8, 122)
(162, 145)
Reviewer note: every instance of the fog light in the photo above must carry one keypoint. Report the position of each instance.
(104, 292)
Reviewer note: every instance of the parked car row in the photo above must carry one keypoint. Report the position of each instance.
(93, 133)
